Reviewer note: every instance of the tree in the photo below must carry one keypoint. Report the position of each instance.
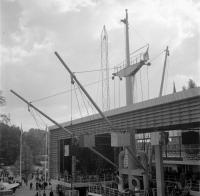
(190, 84)
(9, 143)
(3, 117)
(27, 161)
(35, 139)
(2, 99)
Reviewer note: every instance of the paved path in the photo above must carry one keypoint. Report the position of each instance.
(25, 191)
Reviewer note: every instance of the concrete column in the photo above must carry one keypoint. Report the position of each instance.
(73, 168)
(131, 163)
(159, 171)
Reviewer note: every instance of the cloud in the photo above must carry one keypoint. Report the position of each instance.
(34, 29)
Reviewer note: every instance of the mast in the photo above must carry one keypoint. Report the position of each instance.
(53, 121)
(158, 148)
(129, 100)
(105, 70)
(85, 92)
(163, 74)
(129, 85)
(20, 158)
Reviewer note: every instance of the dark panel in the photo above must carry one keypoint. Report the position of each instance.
(190, 137)
(103, 140)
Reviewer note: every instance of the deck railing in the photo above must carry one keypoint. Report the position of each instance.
(88, 178)
(174, 151)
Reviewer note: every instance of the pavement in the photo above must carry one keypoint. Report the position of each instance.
(25, 190)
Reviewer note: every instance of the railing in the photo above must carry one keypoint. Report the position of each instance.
(184, 152)
(88, 178)
(108, 191)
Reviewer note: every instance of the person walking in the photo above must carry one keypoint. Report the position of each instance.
(44, 194)
(31, 185)
(51, 193)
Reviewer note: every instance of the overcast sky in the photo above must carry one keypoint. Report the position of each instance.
(31, 30)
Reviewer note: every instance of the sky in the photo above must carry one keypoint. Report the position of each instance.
(31, 31)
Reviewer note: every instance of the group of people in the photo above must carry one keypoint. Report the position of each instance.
(40, 187)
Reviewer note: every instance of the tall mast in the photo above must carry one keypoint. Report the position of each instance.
(129, 100)
(129, 84)
(163, 74)
(105, 70)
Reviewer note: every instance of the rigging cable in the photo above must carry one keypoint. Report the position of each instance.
(156, 56)
(114, 92)
(63, 92)
(41, 119)
(147, 80)
(83, 100)
(141, 85)
(97, 93)
(167, 76)
(77, 102)
(89, 84)
(119, 93)
(71, 99)
(135, 93)
(32, 114)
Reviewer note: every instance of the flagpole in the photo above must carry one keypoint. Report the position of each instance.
(20, 163)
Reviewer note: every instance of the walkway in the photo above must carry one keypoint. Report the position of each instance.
(25, 191)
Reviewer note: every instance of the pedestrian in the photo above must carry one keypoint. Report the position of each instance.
(31, 185)
(37, 194)
(36, 186)
(51, 193)
(44, 194)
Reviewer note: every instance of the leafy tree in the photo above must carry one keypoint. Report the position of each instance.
(35, 139)
(27, 161)
(9, 143)
(191, 84)
(2, 99)
(3, 117)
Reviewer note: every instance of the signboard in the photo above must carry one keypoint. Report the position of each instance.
(66, 150)
(120, 139)
(87, 141)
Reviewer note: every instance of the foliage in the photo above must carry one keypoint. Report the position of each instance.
(9, 143)
(33, 145)
(3, 117)
(27, 161)
(191, 84)
(35, 139)
(2, 99)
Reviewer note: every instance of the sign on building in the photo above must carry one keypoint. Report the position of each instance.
(120, 139)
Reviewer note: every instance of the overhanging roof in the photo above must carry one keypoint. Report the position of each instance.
(181, 108)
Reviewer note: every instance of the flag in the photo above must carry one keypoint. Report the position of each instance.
(174, 87)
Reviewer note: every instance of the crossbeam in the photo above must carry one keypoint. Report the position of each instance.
(85, 92)
(57, 124)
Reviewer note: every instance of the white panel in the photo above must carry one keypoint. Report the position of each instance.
(87, 141)
(66, 150)
(120, 139)
(155, 138)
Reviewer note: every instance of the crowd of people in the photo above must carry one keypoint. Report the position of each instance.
(38, 185)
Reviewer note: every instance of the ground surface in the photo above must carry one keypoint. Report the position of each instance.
(25, 190)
